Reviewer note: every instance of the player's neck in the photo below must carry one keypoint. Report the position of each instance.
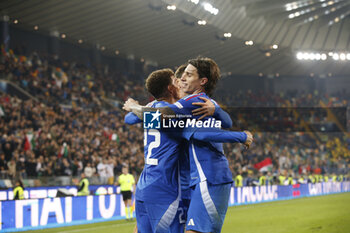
(197, 91)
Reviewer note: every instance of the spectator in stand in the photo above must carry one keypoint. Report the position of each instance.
(3, 166)
(87, 124)
(30, 164)
(110, 170)
(89, 171)
(102, 171)
(8, 148)
(12, 168)
(40, 166)
(66, 168)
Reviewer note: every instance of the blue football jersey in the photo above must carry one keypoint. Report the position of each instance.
(207, 160)
(184, 166)
(159, 179)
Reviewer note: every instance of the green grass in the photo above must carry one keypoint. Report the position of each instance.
(315, 215)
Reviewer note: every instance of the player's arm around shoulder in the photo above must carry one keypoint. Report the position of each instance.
(208, 107)
(132, 105)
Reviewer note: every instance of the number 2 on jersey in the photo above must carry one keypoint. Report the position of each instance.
(154, 144)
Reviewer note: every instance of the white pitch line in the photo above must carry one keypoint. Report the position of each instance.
(95, 228)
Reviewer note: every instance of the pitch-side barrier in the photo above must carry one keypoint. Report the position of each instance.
(42, 213)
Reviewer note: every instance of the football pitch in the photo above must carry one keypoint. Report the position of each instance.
(314, 214)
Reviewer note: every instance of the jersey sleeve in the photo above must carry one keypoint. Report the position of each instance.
(223, 116)
(217, 135)
(131, 119)
(183, 106)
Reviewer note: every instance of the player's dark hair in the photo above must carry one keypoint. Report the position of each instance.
(158, 81)
(207, 67)
(180, 71)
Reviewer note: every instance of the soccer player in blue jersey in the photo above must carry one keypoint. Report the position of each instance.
(211, 177)
(145, 201)
(157, 192)
(160, 175)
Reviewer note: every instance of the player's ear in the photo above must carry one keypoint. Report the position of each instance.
(171, 88)
(203, 81)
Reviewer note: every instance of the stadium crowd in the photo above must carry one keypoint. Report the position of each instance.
(70, 128)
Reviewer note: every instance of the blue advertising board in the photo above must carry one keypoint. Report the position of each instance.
(29, 214)
(44, 192)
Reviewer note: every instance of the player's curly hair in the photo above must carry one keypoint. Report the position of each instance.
(158, 81)
(207, 67)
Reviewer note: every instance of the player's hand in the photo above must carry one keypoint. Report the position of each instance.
(207, 108)
(249, 139)
(129, 104)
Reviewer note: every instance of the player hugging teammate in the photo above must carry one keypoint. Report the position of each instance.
(186, 181)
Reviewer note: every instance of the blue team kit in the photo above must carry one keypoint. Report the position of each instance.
(205, 177)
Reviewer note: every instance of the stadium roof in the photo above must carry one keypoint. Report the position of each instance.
(147, 29)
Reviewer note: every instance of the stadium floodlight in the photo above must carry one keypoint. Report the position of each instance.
(305, 56)
(342, 56)
(318, 56)
(291, 6)
(312, 56)
(171, 7)
(194, 1)
(300, 56)
(208, 7)
(335, 56)
(202, 22)
(249, 42)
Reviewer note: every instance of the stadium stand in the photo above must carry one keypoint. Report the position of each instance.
(70, 126)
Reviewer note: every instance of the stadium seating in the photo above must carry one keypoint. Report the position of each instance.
(70, 126)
